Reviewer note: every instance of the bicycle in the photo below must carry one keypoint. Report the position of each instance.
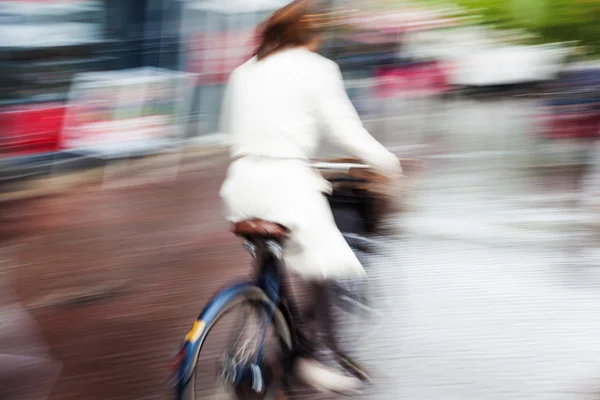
(248, 371)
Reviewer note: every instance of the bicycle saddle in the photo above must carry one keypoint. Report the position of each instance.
(257, 228)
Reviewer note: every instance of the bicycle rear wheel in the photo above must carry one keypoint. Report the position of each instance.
(232, 343)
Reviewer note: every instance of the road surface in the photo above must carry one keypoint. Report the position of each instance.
(484, 296)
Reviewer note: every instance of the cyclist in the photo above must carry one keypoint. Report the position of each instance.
(273, 107)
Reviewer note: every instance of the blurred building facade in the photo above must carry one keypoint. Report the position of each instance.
(45, 43)
(217, 36)
(50, 41)
(396, 62)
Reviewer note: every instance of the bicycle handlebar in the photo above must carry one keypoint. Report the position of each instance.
(347, 179)
(359, 242)
(338, 166)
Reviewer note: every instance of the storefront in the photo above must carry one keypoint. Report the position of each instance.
(45, 43)
(48, 42)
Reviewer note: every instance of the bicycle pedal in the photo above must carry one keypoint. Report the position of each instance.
(355, 368)
(360, 304)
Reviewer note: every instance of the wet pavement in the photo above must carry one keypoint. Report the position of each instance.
(484, 296)
(496, 293)
(116, 276)
(491, 292)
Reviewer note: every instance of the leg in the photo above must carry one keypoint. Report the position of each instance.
(325, 368)
(335, 308)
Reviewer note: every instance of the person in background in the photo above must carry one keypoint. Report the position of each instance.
(275, 107)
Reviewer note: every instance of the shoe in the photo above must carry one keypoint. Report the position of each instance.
(327, 376)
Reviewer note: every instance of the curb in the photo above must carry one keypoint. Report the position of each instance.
(83, 172)
(80, 296)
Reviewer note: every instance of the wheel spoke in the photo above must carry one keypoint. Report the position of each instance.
(241, 354)
(232, 343)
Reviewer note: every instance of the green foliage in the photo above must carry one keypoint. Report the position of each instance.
(551, 20)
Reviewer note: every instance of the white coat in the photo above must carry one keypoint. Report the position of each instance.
(274, 111)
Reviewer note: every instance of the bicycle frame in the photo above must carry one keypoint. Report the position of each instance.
(269, 280)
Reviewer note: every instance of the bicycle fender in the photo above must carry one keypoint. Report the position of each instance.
(196, 335)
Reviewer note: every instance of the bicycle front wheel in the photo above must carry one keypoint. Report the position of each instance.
(233, 340)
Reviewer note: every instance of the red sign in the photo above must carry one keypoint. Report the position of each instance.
(31, 129)
(417, 79)
(45, 1)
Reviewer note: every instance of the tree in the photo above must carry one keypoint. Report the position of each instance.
(550, 20)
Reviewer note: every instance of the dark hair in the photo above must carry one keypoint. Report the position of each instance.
(296, 24)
